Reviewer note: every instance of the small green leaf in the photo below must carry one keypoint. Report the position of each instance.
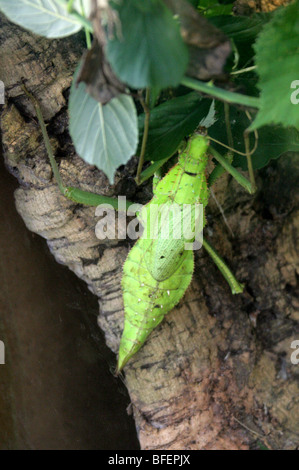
(104, 135)
(273, 141)
(43, 17)
(277, 59)
(148, 50)
(212, 8)
(171, 122)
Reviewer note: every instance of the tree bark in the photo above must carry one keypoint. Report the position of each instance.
(217, 373)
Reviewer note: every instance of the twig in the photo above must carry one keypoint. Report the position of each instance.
(249, 153)
(224, 95)
(146, 109)
(228, 126)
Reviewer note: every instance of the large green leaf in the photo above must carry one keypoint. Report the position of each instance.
(243, 30)
(277, 60)
(148, 50)
(44, 17)
(103, 135)
(171, 122)
(273, 141)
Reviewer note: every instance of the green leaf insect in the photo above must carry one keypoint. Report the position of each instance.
(158, 271)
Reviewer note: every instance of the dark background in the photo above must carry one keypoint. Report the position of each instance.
(57, 390)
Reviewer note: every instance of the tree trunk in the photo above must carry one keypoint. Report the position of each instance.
(217, 373)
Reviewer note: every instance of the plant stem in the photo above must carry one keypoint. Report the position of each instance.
(88, 38)
(145, 134)
(249, 153)
(228, 126)
(221, 94)
(87, 33)
(249, 161)
(248, 69)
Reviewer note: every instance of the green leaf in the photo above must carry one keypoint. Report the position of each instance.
(43, 17)
(277, 59)
(273, 141)
(171, 122)
(243, 30)
(104, 135)
(87, 7)
(212, 8)
(149, 50)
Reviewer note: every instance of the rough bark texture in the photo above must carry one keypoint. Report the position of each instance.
(217, 373)
(246, 7)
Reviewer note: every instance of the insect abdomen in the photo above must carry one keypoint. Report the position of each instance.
(147, 300)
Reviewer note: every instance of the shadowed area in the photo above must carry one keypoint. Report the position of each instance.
(56, 389)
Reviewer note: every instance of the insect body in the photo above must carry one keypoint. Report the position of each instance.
(158, 270)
